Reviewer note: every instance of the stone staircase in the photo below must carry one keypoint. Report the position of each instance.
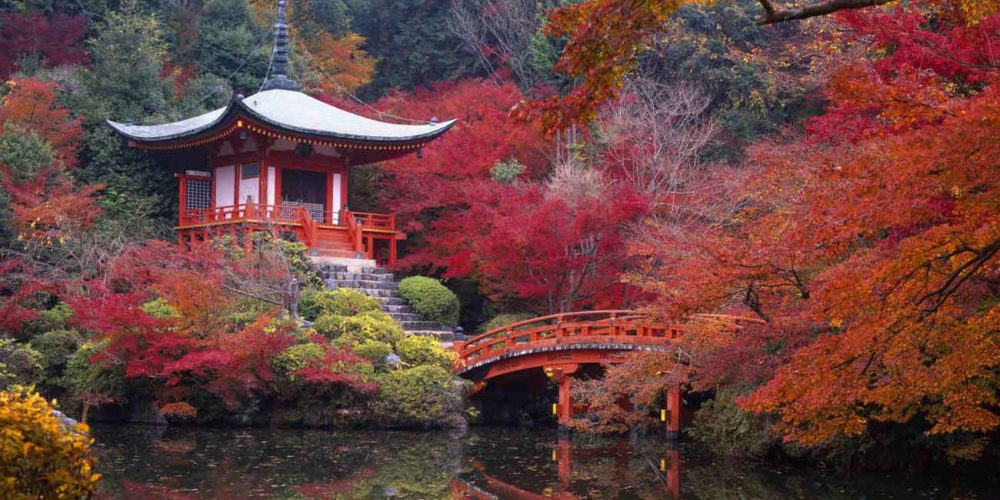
(381, 284)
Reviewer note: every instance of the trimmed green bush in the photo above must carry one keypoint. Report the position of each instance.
(419, 350)
(431, 299)
(353, 330)
(422, 396)
(503, 319)
(343, 302)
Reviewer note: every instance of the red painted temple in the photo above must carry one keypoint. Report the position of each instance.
(280, 161)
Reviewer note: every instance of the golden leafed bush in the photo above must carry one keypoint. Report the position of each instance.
(40, 455)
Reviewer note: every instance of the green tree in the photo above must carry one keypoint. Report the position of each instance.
(412, 42)
(231, 45)
(125, 83)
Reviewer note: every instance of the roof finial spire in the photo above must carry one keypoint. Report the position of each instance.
(279, 59)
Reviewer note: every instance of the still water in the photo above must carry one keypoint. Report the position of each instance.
(141, 462)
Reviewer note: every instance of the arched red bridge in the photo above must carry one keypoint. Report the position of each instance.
(560, 344)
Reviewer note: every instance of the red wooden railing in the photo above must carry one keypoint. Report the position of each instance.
(562, 329)
(309, 228)
(354, 229)
(608, 326)
(284, 213)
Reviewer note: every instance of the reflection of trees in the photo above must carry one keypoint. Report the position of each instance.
(246, 463)
(183, 463)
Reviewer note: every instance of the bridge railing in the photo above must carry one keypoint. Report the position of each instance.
(617, 325)
(563, 328)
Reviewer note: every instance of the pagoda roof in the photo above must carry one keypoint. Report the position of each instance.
(289, 111)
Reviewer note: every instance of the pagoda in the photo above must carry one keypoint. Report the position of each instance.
(280, 161)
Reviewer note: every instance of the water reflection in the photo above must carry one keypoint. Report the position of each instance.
(190, 463)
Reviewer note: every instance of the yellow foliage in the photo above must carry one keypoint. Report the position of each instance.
(39, 456)
(344, 65)
(975, 10)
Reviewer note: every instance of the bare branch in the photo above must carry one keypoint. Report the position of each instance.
(772, 15)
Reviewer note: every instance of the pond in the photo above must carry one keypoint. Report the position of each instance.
(188, 463)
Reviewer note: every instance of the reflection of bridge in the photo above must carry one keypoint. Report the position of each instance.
(564, 454)
(561, 344)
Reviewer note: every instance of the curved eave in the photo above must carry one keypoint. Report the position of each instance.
(236, 108)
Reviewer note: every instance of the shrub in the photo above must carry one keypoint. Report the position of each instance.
(419, 350)
(297, 357)
(353, 330)
(503, 319)
(55, 318)
(93, 383)
(20, 364)
(431, 299)
(159, 308)
(422, 396)
(179, 412)
(56, 347)
(373, 350)
(39, 455)
(342, 302)
(506, 172)
(727, 429)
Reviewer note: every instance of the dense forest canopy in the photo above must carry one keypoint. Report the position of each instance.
(829, 169)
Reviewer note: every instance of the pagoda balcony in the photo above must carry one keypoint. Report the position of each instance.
(326, 233)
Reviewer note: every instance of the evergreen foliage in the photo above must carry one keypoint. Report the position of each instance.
(314, 303)
(422, 396)
(431, 299)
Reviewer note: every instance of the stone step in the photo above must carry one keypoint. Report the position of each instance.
(384, 285)
(392, 301)
(379, 292)
(396, 308)
(443, 336)
(382, 278)
(422, 325)
(405, 316)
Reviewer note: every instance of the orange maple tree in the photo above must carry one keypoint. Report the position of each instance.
(870, 245)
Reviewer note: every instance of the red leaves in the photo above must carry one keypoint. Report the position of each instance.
(871, 245)
(54, 40)
(47, 207)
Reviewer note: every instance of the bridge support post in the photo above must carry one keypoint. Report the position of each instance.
(562, 375)
(674, 407)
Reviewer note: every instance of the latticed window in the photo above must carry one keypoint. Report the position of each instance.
(199, 194)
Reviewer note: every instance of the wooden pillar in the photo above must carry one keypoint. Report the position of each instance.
(562, 375)
(329, 208)
(392, 251)
(565, 400)
(181, 199)
(674, 406)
